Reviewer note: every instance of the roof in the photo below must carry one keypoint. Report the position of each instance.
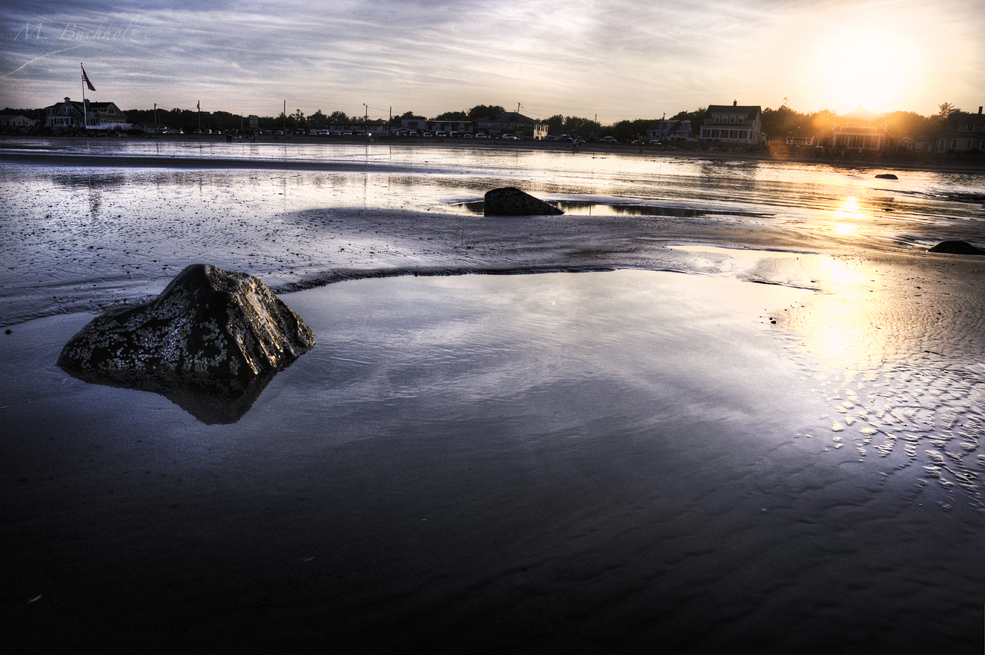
(735, 109)
(78, 104)
(507, 117)
(861, 113)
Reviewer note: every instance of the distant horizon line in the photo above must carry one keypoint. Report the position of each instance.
(543, 120)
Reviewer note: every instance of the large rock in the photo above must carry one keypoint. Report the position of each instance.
(957, 248)
(510, 201)
(212, 339)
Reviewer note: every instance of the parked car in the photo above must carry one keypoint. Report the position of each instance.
(609, 139)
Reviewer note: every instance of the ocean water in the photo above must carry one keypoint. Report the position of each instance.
(651, 455)
(77, 237)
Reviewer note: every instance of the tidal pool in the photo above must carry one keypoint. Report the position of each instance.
(624, 460)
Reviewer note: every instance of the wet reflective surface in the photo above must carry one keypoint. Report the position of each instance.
(613, 460)
(626, 460)
(83, 237)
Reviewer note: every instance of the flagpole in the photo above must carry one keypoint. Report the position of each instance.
(85, 119)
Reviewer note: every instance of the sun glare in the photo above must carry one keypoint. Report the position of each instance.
(865, 67)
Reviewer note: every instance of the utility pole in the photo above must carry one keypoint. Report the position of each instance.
(285, 117)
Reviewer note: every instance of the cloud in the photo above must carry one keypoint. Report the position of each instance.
(615, 58)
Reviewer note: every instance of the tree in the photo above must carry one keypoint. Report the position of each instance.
(338, 118)
(297, 119)
(318, 120)
(823, 121)
(784, 121)
(452, 116)
(555, 124)
(946, 109)
(908, 123)
(585, 127)
(696, 117)
(630, 130)
(482, 111)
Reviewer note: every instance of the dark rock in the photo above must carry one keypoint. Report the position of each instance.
(886, 176)
(510, 201)
(210, 342)
(957, 248)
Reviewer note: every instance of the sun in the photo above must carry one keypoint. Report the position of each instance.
(864, 67)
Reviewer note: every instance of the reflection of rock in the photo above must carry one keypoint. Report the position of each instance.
(210, 401)
(957, 248)
(213, 338)
(886, 176)
(510, 201)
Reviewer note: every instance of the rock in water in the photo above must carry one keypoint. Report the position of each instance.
(210, 331)
(510, 201)
(957, 248)
(886, 176)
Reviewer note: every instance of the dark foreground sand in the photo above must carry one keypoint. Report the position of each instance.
(340, 514)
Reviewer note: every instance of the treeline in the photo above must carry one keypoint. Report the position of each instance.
(781, 122)
(190, 120)
(784, 122)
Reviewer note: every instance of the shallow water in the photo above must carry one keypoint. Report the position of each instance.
(557, 461)
(622, 460)
(77, 238)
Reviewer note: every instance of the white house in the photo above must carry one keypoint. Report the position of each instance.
(99, 115)
(735, 125)
(858, 130)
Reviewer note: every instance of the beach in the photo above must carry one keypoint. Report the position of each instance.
(717, 406)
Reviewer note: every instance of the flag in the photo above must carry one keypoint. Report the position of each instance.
(85, 78)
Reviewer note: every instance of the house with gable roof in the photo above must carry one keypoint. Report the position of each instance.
(670, 130)
(857, 130)
(511, 122)
(733, 125)
(9, 119)
(98, 116)
(963, 133)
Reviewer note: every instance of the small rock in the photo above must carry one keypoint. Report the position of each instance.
(210, 342)
(957, 248)
(510, 201)
(886, 176)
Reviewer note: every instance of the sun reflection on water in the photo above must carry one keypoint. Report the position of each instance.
(848, 214)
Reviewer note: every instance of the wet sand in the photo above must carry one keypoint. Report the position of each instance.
(847, 518)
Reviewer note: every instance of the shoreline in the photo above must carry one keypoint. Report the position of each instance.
(550, 146)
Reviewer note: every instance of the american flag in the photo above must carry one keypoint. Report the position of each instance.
(85, 78)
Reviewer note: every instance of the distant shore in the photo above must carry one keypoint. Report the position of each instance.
(719, 153)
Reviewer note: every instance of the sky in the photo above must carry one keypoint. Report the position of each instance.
(608, 60)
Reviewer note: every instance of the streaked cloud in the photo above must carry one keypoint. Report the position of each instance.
(614, 58)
